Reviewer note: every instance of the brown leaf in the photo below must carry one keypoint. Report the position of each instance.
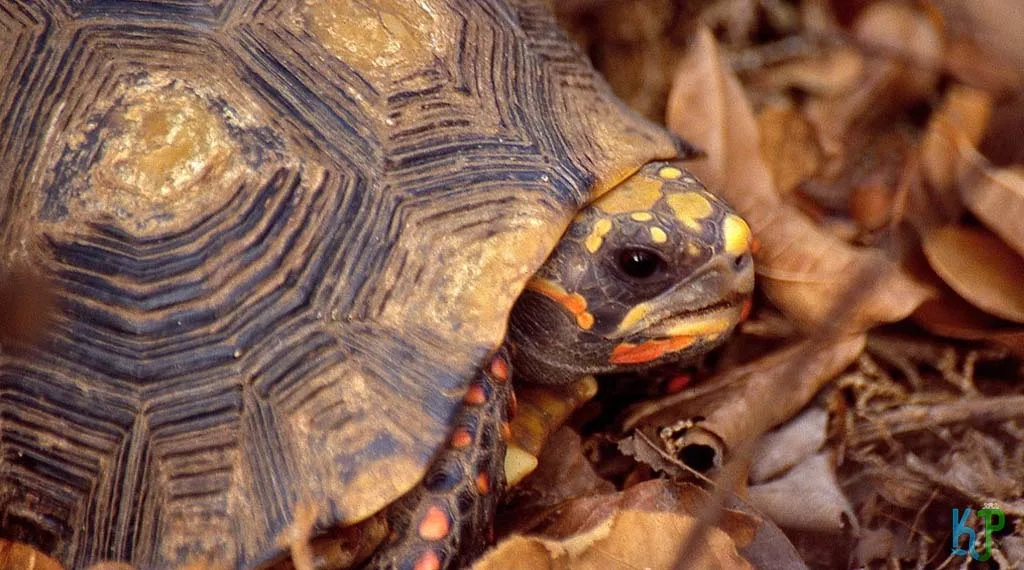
(788, 146)
(980, 267)
(955, 129)
(18, 556)
(802, 269)
(829, 73)
(627, 541)
(904, 49)
(994, 27)
(996, 197)
(655, 495)
(733, 404)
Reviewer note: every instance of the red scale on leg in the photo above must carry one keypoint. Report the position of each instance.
(429, 560)
(435, 525)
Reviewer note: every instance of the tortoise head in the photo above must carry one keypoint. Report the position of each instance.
(657, 270)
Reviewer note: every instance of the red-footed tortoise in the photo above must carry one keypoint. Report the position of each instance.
(285, 238)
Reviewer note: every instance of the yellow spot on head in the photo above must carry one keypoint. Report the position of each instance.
(634, 316)
(658, 235)
(641, 216)
(690, 207)
(692, 249)
(636, 193)
(670, 173)
(596, 237)
(736, 234)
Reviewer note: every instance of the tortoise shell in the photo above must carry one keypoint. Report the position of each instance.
(283, 236)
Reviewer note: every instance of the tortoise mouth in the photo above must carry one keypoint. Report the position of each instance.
(707, 322)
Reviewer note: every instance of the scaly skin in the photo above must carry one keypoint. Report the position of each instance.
(655, 271)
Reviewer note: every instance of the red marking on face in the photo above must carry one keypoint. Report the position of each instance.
(461, 438)
(506, 431)
(745, 311)
(435, 525)
(499, 369)
(483, 483)
(647, 351)
(475, 395)
(755, 246)
(678, 383)
(429, 561)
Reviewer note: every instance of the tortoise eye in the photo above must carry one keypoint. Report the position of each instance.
(640, 263)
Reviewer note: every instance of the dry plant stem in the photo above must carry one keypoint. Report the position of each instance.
(940, 479)
(911, 418)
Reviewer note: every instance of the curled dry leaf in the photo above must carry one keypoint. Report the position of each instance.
(801, 268)
(789, 444)
(808, 497)
(997, 198)
(627, 541)
(734, 402)
(961, 120)
(18, 556)
(980, 267)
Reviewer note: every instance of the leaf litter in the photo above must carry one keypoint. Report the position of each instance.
(877, 384)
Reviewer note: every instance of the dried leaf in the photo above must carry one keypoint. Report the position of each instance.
(806, 498)
(957, 126)
(18, 556)
(830, 73)
(952, 317)
(789, 444)
(788, 146)
(802, 269)
(628, 540)
(997, 199)
(904, 50)
(992, 25)
(733, 404)
(980, 267)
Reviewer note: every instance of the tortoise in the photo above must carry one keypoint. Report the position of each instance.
(285, 240)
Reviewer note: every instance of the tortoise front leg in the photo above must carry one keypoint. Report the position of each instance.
(448, 519)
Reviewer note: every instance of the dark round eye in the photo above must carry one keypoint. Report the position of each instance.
(639, 263)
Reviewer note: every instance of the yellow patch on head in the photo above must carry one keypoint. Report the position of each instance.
(707, 329)
(658, 235)
(670, 173)
(642, 216)
(634, 316)
(596, 237)
(692, 250)
(736, 234)
(636, 193)
(690, 207)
